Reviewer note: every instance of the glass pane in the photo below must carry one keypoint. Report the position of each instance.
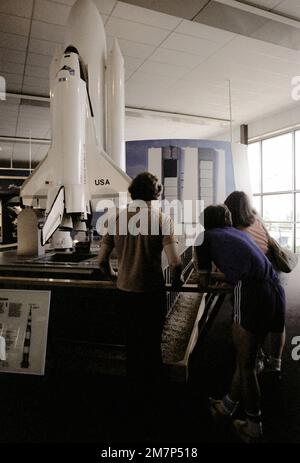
(298, 207)
(256, 203)
(277, 156)
(298, 239)
(278, 208)
(254, 166)
(282, 232)
(297, 152)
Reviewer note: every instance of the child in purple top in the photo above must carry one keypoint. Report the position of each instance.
(259, 307)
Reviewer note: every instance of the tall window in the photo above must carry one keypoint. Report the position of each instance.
(275, 179)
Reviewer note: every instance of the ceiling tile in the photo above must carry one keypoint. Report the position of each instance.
(183, 88)
(264, 88)
(39, 113)
(8, 119)
(265, 48)
(51, 12)
(39, 60)
(15, 42)
(289, 7)
(38, 91)
(135, 49)
(105, 6)
(12, 78)
(43, 47)
(131, 64)
(36, 82)
(37, 71)
(203, 31)
(12, 56)
(163, 69)
(17, 7)
(12, 68)
(145, 16)
(13, 82)
(14, 24)
(263, 62)
(135, 32)
(44, 31)
(188, 44)
(128, 73)
(152, 80)
(164, 55)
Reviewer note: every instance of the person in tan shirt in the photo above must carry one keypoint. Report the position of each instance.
(245, 219)
(140, 233)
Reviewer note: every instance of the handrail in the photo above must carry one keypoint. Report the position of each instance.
(109, 285)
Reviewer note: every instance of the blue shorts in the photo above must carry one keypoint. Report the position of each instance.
(259, 306)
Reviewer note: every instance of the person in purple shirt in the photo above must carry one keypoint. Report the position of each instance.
(259, 307)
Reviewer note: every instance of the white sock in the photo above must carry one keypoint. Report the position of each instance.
(254, 424)
(275, 363)
(229, 405)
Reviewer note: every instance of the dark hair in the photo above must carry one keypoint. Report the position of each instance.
(217, 217)
(243, 215)
(145, 186)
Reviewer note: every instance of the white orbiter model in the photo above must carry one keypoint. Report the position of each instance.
(77, 171)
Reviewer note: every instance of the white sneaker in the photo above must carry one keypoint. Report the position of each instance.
(242, 430)
(217, 410)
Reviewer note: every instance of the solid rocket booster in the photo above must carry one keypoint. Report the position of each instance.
(116, 106)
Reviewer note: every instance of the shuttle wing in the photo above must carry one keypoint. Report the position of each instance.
(34, 191)
(104, 178)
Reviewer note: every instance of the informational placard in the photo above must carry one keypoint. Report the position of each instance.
(24, 316)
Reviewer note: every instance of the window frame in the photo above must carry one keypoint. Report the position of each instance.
(294, 191)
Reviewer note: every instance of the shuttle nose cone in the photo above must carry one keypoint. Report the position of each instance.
(71, 49)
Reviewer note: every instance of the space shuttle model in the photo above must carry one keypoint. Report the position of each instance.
(87, 120)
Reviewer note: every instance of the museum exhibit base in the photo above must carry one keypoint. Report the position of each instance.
(84, 331)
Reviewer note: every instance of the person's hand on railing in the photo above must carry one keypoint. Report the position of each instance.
(210, 280)
(203, 279)
(177, 282)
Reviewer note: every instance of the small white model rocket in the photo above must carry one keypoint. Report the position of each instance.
(87, 119)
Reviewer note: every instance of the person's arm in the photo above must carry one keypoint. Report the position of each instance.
(170, 246)
(203, 263)
(174, 261)
(106, 248)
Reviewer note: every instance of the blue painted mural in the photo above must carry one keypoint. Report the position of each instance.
(137, 159)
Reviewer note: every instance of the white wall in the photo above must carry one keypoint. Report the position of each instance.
(282, 120)
(276, 122)
(241, 168)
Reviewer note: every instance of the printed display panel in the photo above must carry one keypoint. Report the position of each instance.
(24, 316)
